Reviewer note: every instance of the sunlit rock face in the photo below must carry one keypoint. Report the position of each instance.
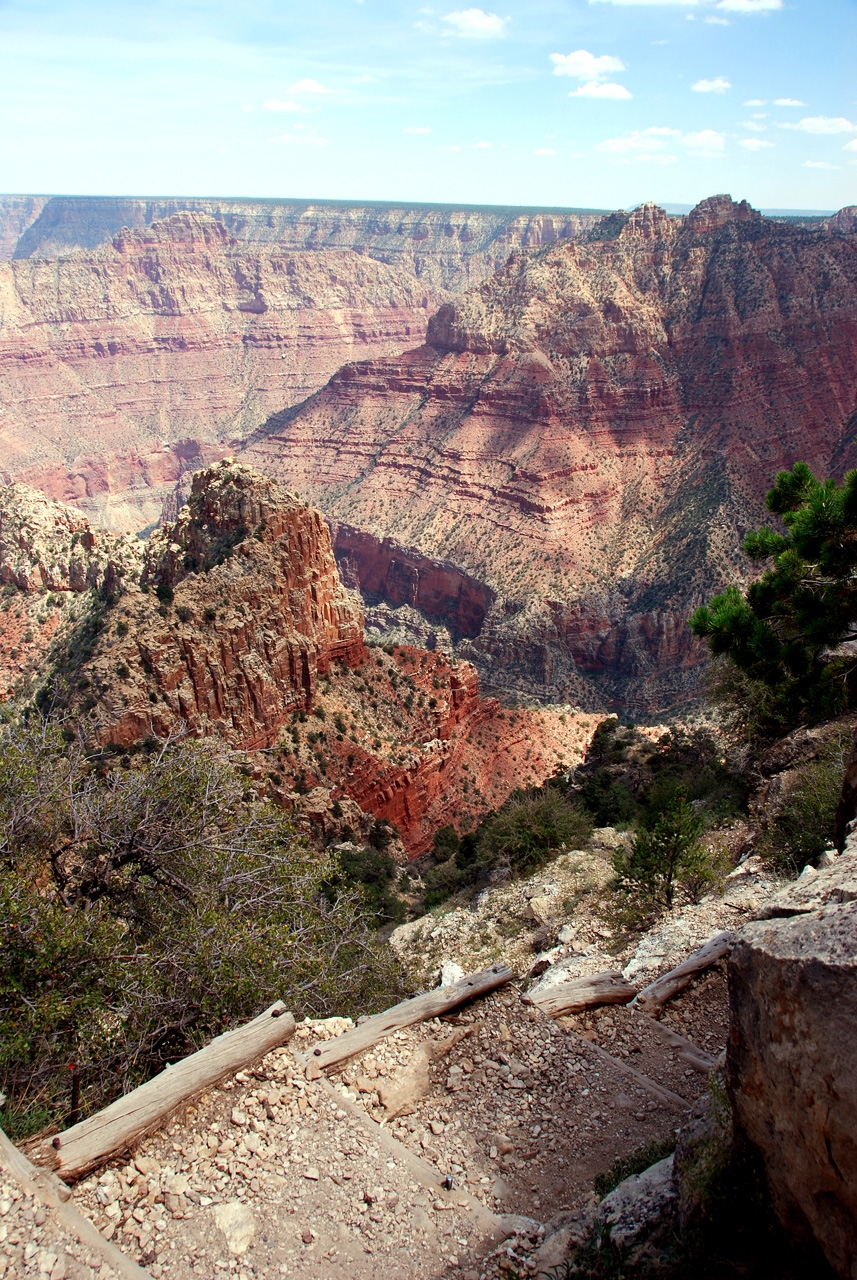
(590, 433)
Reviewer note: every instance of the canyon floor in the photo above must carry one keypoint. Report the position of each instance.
(274, 1173)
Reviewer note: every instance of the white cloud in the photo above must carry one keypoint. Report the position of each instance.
(819, 164)
(274, 104)
(639, 140)
(754, 126)
(684, 3)
(822, 124)
(788, 102)
(420, 128)
(307, 86)
(850, 146)
(595, 90)
(707, 142)
(717, 85)
(544, 151)
(481, 146)
(756, 102)
(754, 144)
(656, 158)
(476, 24)
(248, 108)
(718, 22)
(310, 139)
(750, 6)
(584, 65)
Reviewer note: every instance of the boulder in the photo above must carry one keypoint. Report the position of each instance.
(792, 1056)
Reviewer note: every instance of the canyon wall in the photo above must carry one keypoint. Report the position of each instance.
(590, 433)
(126, 367)
(17, 213)
(446, 246)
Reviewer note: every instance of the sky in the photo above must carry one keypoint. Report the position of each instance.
(573, 103)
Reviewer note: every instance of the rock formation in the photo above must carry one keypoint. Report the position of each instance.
(17, 213)
(51, 563)
(233, 621)
(259, 614)
(590, 433)
(792, 1053)
(445, 246)
(126, 367)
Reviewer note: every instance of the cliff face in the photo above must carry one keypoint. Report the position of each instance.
(17, 214)
(126, 367)
(444, 246)
(590, 433)
(258, 613)
(234, 621)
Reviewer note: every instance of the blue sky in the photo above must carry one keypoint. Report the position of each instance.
(580, 103)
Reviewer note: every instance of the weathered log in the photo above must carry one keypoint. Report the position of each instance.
(665, 987)
(691, 1053)
(46, 1187)
(406, 1014)
(582, 993)
(118, 1127)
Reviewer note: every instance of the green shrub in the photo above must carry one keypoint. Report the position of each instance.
(529, 828)
(660, 858)
(375, 874)
(803, 827)
(165, 593)
(146, 908)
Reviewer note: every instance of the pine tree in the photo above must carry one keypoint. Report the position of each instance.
(785, 634)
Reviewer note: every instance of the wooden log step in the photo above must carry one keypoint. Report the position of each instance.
(420, 1009)
(669, 984)
(118, 1127)
(582, 993)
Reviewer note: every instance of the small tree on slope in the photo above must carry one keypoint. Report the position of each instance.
(783, 638)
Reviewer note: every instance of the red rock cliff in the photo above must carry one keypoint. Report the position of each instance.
(591, 432)
(125, 366)
(251, 612)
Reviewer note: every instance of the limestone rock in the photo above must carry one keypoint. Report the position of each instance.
(238, 1225)
(792, 1056)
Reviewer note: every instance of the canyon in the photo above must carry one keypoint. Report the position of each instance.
(232, 624)
(589, 434)
(123, 369)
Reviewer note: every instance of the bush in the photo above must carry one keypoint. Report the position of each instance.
(375, 874)
(145, 909)
(660, 858)
(165, 593)
(529, 828)
(803, 826)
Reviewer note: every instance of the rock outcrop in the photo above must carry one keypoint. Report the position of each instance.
(792, 1053)
(52, 563)
(127, 366)
(591, 432)
(259, 613)
(234, 623)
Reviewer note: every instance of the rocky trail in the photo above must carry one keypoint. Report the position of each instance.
(441, 1151)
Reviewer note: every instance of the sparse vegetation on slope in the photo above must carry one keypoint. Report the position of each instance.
(143, 909)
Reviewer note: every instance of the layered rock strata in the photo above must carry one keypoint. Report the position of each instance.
(446, 246)
(233, 623)
(590, 433)
(238, 611)
(17, 214)
(123, 368)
